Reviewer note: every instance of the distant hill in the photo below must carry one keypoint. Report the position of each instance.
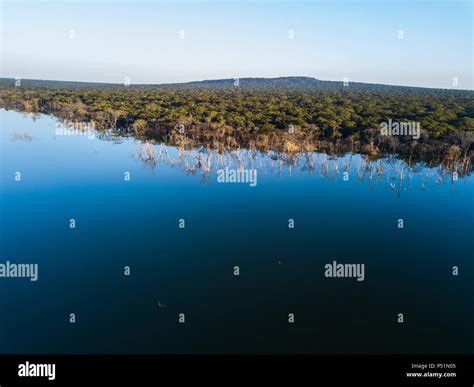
(303, 83)
(259, 83)
(278, 83)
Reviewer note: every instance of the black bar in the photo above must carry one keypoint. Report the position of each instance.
(154, 369)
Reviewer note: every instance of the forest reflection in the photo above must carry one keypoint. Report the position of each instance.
(391, 172)
(204, 157)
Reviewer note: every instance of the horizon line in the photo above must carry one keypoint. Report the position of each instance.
(232, 79)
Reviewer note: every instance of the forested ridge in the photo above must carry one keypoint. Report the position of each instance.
(288, 114)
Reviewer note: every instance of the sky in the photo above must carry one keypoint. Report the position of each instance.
(404, 42)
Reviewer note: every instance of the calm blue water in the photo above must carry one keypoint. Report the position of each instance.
(135, 223)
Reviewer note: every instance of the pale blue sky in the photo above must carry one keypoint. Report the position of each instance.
(222, 39)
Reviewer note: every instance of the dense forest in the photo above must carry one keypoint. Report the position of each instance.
(284, 114)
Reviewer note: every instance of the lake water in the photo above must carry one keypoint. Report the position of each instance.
(190, 270)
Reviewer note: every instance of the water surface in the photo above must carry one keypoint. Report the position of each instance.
(135, 223)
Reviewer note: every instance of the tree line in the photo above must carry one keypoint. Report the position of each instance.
(295, 115)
